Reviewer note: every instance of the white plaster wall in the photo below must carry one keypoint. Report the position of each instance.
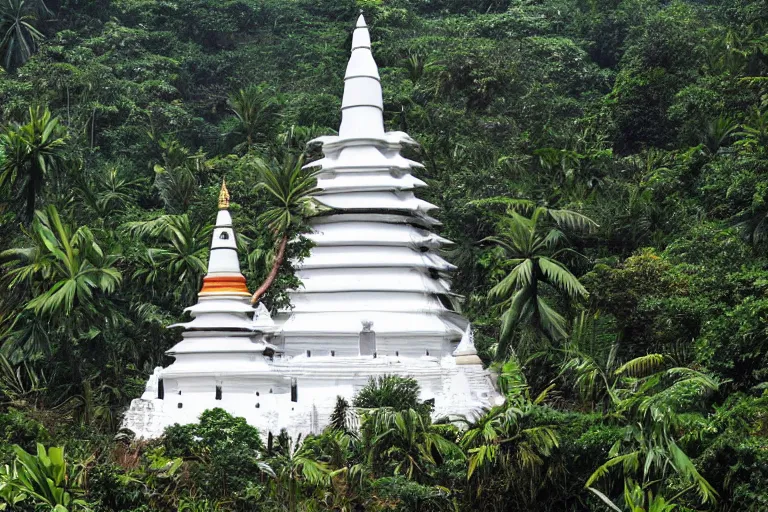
(224, 260)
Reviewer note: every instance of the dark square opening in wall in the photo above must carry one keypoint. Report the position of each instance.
(180, 405)
(218, 392)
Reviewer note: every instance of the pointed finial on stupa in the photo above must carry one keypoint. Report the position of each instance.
(224, 276)
(466, 353)
(224, 195)
(362, 107)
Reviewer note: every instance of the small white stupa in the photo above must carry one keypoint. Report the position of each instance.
(375, 297)
(224, 357)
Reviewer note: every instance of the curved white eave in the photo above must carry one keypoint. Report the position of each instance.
(387, 201)
(395, 140)
(374, 234)
(383, 182)
(367, 279)
(348, 163)
(363, 256)
(389, 324)
(220, 345)
(393, 301)
(213, 322)
(419, 219)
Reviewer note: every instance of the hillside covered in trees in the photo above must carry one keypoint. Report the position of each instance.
(601, 165)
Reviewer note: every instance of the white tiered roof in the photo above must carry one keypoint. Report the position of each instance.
(374, 258)
(223, 319)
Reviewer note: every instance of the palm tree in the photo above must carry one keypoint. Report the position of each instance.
(718, 132)
(533, 245)
(590, 360)
(18, 37)
(637, 499)
(416, 66)
(290, 465)
(290, 187)
(508, 442)
(66, 271)
(394, 391)
(67, 261)
(109, 192)
(177, 179)
(180, 257)
(654, 400)
(297, 136)
(33, 151)
(46, 479)
(405, 441)
(256, 109)
(343, 418)
(338, 448)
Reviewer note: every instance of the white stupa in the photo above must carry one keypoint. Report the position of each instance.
(375, 297)
(224, 358)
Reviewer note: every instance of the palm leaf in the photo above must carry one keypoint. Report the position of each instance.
(604, 499)
(562, 278)
(642, 366)
(551, 320)
(573, 220)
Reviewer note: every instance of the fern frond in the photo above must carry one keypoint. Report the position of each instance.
(642, 366)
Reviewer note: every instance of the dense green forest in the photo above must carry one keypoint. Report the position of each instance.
(602, 166)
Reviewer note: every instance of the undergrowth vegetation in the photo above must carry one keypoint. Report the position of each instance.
(599, 164)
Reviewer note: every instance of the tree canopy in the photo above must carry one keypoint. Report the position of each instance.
(599, 164)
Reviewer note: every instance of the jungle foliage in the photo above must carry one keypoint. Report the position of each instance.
(599, 164)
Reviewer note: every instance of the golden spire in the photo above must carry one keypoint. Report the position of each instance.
(224, 196)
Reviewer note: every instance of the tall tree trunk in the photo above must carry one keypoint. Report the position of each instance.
(279, 257)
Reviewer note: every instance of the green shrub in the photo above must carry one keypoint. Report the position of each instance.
(222, 452)
(18, 428)
(399, 393)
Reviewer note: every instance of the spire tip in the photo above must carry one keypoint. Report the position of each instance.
(224, 195)
(361, 21)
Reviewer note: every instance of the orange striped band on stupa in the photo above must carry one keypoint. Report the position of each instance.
(224, 284)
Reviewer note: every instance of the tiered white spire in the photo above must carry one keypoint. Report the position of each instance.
(223, 300)
(223, 319)
(374, 260)
(362, 107)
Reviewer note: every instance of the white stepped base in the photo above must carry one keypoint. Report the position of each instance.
(458, 390)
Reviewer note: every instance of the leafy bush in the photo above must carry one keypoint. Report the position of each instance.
(222, 452)
(399, 393)
(44, 479)
(16, 428)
